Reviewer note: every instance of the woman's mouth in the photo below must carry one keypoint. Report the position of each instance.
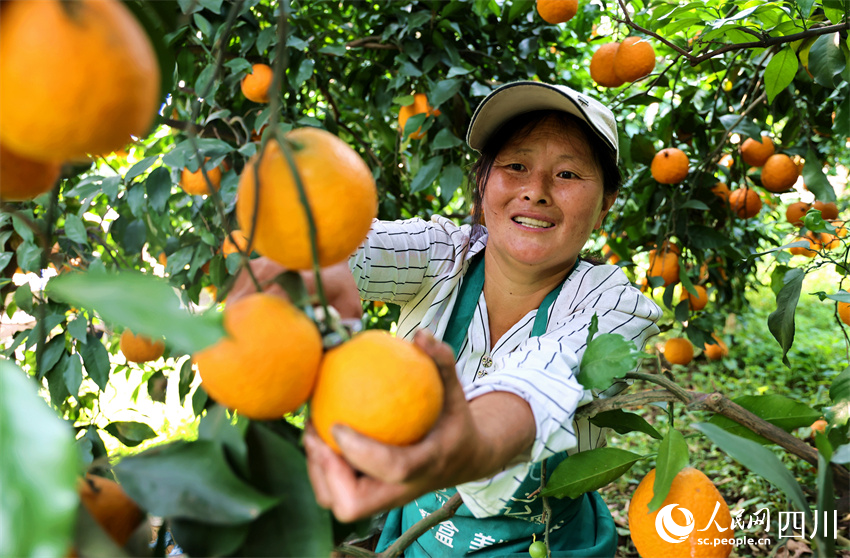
(533, 223)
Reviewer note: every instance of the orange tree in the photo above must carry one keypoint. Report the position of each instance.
(136, 235)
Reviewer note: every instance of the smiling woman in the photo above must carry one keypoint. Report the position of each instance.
(511, 300)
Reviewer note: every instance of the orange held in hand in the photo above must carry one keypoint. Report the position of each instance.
(602, 66)
(694, 509)
(380, 386)
(22, 178)
(418, 106)
(267, 364)
(341, 193)
(557, 11)
(75, 78)
(670, 166)
(634, 59)
(110, 506)
(138, 348)
(257, 85)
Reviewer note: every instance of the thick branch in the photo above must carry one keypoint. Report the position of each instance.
(422, 526)
(622, 401)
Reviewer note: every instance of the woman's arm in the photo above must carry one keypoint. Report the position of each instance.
(471, 440)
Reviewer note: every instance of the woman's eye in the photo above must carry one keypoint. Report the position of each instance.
(515, 166)
(567, 175)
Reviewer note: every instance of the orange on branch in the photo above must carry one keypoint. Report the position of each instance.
(339, 188)
(22, 178)
(602, 66)
(256, 86)
(670, 166)
(695, 302)
(664, 264)
(194, 183)
(418, 106)
(634, 59)
(76, 78)
(755, 153)
(379, 385)
(678, 350)
(795, 212)
(779, 173)
(809, 252)
(745, 203)
(110, 506)
(717, 350)
(721, 190)
(139, 348)
(844, 312)
(707, 514)
(557, 11)
(228, 246)
(828, 210)
(267, 364)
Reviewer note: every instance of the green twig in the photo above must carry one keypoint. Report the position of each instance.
(422, 526)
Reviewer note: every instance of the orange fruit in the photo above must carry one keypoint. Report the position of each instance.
(418, 106)
(695, 302)
(341, 193)
(795, 213)
(138, 348)
(602, 66)
(809, 252)
(24, 179)
(726, 161)
(634, 59)
(266, 365)
(779, 173)
(819, 426)
(678, 350)
(229, 247)
(828, 210)
(381, 386)
(691, 490)
(755, 153)
(716, 351)
(162, 258)
(256, 86)
(110, 506)
(721, 190)
(745, 203)
(829, 241)
(557, 11)
(844, 312)
(75, 78)
(670, 166)
(665, 265)
(609, 255)
(194, 183)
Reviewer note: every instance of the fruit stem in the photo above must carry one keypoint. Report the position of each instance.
(547, 509)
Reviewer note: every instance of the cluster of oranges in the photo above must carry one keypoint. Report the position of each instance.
(86, 90)
(418, 106)
(614, 64)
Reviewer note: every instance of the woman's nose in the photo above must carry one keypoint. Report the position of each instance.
(537, 189)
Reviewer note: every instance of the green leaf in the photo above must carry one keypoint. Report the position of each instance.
(608, 356)
(96, 360)
(167, 481)
(158, 188)
(73, 374)
(776, 409)
(75, 229)
(153, 310)
(218, 427)
(734, 123)
(588, 470)
(826, 61)
(443, 91)
(815, 179)
(695, 204)
(204, 85)
(593, 328)
(701, 237)
(38, 470)
(840, 388)
(53, 351)
(187, 376)
(622, 422)
(77, 328)
(780, 72)
(427, 174)
(781, 321)
(805, 7)
(130, 433)
(450, 180)
(139, 168)
(445, 139)
(23, 298)
(759, 460)
(305, 71)
(672, 458)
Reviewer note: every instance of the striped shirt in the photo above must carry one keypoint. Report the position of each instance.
(419, 265)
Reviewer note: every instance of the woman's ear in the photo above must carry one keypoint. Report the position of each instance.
(607, 203)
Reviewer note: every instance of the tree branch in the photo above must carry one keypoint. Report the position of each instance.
(422, 526)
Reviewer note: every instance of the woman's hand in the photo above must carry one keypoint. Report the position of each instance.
(340, 288)
(471, 440)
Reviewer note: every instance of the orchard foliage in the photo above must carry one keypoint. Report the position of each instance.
(725, 71)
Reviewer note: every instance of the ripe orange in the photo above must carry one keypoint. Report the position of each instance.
(829, 241)
(138, 348)
(602, 66)
(341, 193)
(267, 364)
(379, 385)
(726, 161)
(670, 166)
(665, 265)
(75, 78)
(755, 153)
(691, 490)
(110, 506)
(557, 11)
(809, 252)
(721, 190)
(256, 86)
(716, 351)
(844, 312)
(609, 255)
(695, 302)
(229, 247)
(745, 203)
(22, 178)
(634, 59)
(795, 213)
(194, 183)
(418, 106)
(779, 173)
(819, 426)
(678, 350)
(828, 210)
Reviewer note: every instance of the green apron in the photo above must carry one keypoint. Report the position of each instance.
(578, 528)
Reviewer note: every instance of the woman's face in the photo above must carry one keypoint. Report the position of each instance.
(544, 197)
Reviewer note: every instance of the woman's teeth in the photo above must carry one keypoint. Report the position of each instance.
(533, 223)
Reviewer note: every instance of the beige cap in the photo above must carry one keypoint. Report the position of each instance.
(519, 97)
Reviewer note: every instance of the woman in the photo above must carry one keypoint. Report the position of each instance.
(513, 301)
